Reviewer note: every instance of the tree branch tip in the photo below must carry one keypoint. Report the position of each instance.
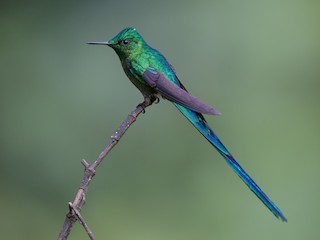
(85, 163)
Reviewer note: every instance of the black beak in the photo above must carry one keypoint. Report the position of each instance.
(99, 43)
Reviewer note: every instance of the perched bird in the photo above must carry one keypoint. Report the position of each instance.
(155, 77)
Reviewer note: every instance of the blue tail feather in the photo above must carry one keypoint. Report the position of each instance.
(199, 122)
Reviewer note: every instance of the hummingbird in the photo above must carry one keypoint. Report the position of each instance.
(156, 78)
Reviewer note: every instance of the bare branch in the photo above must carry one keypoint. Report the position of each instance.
(82, 222)
(89, 171)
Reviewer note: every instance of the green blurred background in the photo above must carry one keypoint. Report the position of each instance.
(255, 61)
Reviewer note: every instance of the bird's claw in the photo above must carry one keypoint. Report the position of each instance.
(142, 105)
(156, 100)
(148, 101)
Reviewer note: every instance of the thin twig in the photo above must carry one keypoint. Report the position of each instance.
(89, 171)
(81, 221)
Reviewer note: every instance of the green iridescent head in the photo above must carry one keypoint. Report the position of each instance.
(124, 43)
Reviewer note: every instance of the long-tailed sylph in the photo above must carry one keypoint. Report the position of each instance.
(153, 75)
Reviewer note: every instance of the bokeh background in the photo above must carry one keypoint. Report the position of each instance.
(258, 62)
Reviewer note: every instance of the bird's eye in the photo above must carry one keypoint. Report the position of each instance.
(125, 42)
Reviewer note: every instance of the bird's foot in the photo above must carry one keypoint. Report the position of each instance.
(157, 100)
(148, 100)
